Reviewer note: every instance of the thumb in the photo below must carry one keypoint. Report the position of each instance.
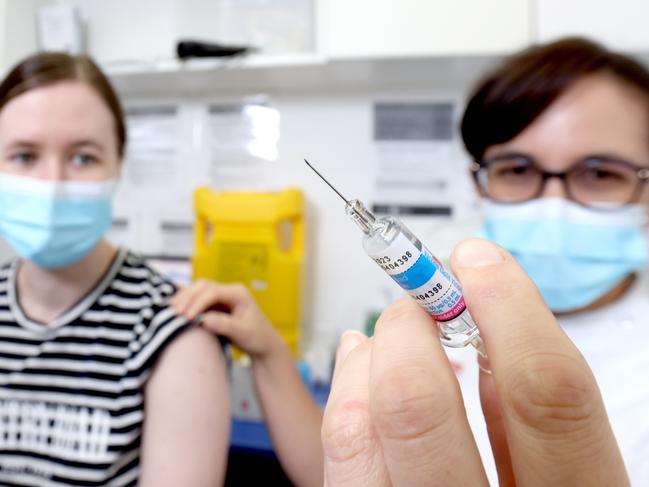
(551, 409)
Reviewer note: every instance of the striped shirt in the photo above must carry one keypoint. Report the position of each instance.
(71, 391)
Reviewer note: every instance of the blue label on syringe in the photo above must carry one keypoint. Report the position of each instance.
(423, 277)
(418, 274)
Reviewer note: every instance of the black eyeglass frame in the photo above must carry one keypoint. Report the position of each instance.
(642, 173)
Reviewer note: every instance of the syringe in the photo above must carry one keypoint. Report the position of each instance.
(406, 260)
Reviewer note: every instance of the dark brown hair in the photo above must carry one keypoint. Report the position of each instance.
(511, 97)
(44, 69)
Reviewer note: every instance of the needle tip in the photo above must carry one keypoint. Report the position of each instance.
(323, 178)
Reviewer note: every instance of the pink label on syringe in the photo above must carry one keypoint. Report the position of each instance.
(453, 313)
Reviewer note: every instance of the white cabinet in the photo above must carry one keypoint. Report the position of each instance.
(392, 28)
(130, 32)
(620, 24)
(3, 29)
(17, 31)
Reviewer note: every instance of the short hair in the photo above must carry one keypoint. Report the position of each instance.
(513, 95)
(47, 68)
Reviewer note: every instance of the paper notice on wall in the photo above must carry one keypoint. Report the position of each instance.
(159, 171)
(416, 159)
(153, 148)
(242, 143)
(157, 179)
(172, 150)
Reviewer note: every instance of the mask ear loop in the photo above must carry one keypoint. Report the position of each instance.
(645, 222)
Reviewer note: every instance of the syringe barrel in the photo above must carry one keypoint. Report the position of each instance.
(411, 265)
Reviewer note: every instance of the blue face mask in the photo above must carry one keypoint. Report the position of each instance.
(54, 224)
(574, 255)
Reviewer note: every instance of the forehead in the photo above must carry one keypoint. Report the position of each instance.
(56, 113)
(598, 114)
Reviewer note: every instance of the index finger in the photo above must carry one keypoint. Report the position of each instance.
(554, 418)
(204, 295)
(416, 404)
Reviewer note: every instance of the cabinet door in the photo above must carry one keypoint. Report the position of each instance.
(620, 24)
(3, 36)
(17, 31)
(394, 28)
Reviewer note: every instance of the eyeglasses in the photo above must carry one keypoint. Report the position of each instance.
(598, 182)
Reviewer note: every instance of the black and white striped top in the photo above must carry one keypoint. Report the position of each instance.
(71, 391)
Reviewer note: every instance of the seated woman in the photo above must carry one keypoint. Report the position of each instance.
(100, 381)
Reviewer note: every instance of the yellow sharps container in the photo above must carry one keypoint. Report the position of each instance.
(255, 238)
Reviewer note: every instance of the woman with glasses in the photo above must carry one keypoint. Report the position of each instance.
(559, 136)
(562, 159)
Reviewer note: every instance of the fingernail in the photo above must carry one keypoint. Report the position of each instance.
(477, 253)
(349, 340)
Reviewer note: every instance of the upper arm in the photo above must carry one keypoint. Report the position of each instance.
(187, 418)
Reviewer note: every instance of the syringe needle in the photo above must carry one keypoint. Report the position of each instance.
(328, 183)
(402, 256)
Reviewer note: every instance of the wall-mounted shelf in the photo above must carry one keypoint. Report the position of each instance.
(292, 73)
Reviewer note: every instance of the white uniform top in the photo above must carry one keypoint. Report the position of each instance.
(615, 342)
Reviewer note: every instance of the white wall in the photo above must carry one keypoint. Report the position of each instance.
(334, 130)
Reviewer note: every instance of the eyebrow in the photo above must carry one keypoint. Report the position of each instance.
(603, 156)
(509, 154)
(32, 145)
(22, 143)
(88, 142)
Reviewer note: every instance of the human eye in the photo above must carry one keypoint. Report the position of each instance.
(601, 174)
(83, 159)
(511, 169)
(605, 172)
(23, 158)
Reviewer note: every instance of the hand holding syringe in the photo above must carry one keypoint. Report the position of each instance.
(405, 259)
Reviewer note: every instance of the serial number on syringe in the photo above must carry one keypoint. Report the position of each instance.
(434, 290)
(387, 264)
